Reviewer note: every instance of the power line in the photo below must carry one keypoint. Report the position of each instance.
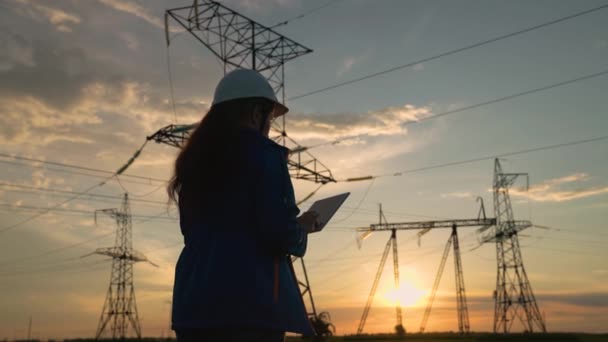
(56, 268)
(72, 166)
(56, 250)
(26, 207)
(473, 160)
(358, 205)
(451, 52)
(59, 191)
(482, 104)
(68, 171)
(307, 13)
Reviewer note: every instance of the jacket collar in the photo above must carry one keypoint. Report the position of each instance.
(265, 140)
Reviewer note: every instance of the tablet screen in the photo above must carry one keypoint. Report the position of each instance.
(327, 207)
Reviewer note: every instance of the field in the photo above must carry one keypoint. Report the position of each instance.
(448, 337)
(431, 337)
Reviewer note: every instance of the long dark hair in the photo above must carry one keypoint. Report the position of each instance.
(206, 162)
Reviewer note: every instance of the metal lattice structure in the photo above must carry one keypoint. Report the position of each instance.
(240, 42)
(119, 311)
(424, 227)
(514, 299)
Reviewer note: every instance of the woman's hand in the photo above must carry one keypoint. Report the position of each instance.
(309, 221)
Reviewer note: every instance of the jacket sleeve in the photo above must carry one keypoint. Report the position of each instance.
(275, 210)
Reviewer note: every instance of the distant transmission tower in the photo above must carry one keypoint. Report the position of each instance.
(514, 299)
(461, 298)
(391, 244)
(119, 308)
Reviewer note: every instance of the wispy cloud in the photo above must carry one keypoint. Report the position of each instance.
(261, 5)
(457, 195)
(136, 10)
(60, 19)
(552, 190)
(346, 65)
(382, 122)
(14, 50)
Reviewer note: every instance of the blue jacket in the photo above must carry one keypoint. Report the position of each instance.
(235, 269)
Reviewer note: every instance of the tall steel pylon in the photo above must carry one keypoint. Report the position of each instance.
(461, 298)
(391, 244)
(240, 42)
(513, 297)
(120, 309)
(424, 227)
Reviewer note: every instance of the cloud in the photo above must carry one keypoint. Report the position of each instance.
(14, 50)
(260, 5)
(418, 67)
(552, 190)
(130, 40)
(383, 122)
(457, 195)
(38, 10)
(347, 64)
(582, 299)
(590, 299)
(136, 10)
(59, 93)
(600, 272)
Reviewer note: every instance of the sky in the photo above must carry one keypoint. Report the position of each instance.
(84, 83)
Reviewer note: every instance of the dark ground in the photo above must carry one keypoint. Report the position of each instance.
(435, 337)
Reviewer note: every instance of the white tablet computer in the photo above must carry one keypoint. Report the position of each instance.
(327, 207)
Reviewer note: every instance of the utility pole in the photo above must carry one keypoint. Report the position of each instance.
(120, 309)
(513, 298)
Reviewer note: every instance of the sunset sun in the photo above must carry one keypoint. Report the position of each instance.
(406, 295)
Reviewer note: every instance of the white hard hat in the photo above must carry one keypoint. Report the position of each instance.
(244, 83)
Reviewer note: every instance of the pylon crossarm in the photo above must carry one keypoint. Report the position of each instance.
(433, 224)
(504, 230)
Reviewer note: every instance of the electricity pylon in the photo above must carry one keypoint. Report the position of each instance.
(120, 308)
(461, 298)
(425, 227)
(240, 42)
(513, 297)
(391, 244)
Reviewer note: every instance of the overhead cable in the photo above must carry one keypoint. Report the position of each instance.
(477, 105)
(473, 160)
(307, 13)
(452, 52)
(78, 167)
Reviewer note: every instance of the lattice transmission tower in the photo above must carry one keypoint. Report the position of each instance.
(119, 311)
(240, 42)
(513, 297)
(424, 227)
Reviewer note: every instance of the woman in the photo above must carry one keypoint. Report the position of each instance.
(234, 280)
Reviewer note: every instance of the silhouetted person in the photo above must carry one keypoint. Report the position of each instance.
(234, 280)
